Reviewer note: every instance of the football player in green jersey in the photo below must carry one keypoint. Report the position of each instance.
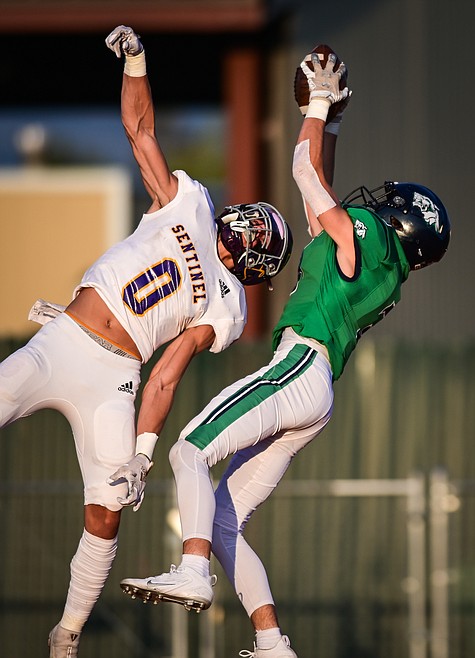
(350, 276)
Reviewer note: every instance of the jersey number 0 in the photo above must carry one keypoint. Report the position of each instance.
(151, 287)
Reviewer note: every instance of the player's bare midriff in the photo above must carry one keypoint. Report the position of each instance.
(90, 310)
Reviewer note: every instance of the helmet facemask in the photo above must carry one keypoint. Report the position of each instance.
(258, 239)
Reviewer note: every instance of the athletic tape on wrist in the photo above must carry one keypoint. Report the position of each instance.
(308, 181)
(145, 444)
(135, 66)
(318, 108)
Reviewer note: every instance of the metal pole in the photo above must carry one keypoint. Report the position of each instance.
(207, 634)
(415, 584)
(439, 556)
(179, 644)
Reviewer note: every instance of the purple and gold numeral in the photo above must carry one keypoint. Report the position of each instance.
(151, 287)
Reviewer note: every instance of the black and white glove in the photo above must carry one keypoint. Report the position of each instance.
(123, 41)
(324, 85)
(135, 474)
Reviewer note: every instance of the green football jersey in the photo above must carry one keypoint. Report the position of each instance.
(336, 310)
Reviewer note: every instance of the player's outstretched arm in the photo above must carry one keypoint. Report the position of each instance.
(159, 391)
(138, 117)
(314, 161)
(157, 400)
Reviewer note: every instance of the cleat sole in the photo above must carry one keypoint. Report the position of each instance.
(156, 597)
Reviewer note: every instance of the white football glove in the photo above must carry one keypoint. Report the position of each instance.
(135, 474)
(324, 82)
(123, 41)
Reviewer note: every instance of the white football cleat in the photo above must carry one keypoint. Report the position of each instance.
(63, 643)
(180, 585)
(281, 650)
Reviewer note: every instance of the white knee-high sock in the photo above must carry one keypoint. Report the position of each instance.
(90, 567)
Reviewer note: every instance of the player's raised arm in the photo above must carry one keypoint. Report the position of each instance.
(314, 160)
(138, 117)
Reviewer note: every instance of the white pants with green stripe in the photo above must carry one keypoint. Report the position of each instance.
(263, 420)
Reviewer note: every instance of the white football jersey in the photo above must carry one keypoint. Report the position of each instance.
(167, 275)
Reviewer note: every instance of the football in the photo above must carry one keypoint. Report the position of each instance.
(301, 91)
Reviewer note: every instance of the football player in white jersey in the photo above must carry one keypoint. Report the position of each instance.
(177, 279)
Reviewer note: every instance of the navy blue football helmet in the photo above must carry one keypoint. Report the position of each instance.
(417, 215)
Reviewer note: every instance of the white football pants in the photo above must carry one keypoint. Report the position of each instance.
(264, 420)
(62, 368)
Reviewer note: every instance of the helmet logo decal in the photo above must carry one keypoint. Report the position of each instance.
(360, 229)
(260, 271)
(398, 201)
(429, 210)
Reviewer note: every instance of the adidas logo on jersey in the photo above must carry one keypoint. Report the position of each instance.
(126, 388)
(224, 288)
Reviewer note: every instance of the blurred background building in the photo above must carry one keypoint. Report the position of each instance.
(380, 569)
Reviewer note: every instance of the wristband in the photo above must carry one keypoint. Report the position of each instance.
(318, 108)
(145, 444)
(135, 66)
